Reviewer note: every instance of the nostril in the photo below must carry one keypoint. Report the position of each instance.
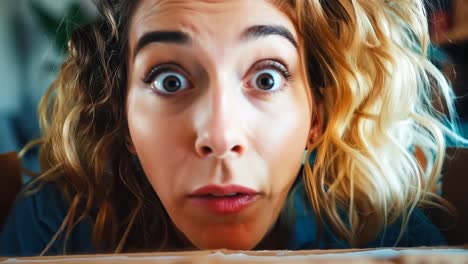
(206, 150)
(237, 149)
(220, 150)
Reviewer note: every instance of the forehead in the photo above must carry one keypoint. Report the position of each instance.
(199, 18)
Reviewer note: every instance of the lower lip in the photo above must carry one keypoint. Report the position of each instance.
(225, 204)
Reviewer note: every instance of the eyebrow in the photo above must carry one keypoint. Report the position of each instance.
(260, 31)
(179, 37)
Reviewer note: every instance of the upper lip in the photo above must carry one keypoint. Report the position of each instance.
(222, 190)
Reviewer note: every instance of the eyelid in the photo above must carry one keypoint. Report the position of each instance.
(275, 64)
(155, 70)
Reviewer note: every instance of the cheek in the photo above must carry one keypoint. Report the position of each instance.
(160, 140)
(281, 139)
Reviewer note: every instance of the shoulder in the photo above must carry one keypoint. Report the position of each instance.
(306, 230)
(33, 222)
(308, 234)
(419, 231)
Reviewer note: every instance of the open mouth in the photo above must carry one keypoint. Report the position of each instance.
(223, 199)
(224, 204)
(214, 195)
(222, 191)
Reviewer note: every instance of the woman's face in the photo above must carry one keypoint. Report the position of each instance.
(219, 114)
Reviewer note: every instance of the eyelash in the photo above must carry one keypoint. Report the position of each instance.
(161, 68)
(275, 64)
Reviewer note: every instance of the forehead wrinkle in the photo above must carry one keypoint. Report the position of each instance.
(143, 21)
(150, 13)
(164, 8)
(200, 32)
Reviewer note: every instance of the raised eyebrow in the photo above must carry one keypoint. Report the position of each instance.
(259, 31)
(162, 36)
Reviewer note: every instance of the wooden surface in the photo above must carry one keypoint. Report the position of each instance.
(401, 255)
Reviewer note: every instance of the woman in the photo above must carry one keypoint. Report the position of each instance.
(182, 125)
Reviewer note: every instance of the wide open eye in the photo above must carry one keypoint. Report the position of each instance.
(169, 82)
(267, 80)
(268, 76)
(167, 79)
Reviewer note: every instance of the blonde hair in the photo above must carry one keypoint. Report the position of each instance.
(367, 66)
(377, 91)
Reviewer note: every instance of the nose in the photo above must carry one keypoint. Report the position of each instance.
(219, 125)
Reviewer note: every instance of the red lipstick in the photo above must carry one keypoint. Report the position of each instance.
(229, 199)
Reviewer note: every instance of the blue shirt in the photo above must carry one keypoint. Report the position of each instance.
(33, 222)
(36, 218)
(420, 231)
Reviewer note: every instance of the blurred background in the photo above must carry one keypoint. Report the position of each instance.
(33, 37)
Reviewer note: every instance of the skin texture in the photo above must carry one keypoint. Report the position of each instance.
(222, 129)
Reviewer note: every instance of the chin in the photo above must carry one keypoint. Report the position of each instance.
(231, 244)
(226, 238)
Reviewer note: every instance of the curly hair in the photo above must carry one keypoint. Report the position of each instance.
(369, 72)
(84, 133)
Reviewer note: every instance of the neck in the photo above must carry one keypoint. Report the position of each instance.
(276, 239)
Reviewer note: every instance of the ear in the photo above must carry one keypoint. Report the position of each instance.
(129, 145)
(316, 126)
